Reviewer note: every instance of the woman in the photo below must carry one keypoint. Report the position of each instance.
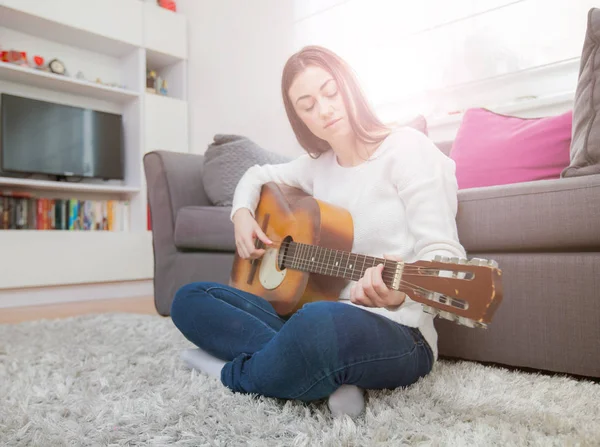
(401, 192)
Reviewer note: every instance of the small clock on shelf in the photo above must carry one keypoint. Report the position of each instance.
(57, 67)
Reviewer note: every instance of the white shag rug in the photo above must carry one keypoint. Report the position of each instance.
(116, 379)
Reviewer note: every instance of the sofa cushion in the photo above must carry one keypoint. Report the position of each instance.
(205, 228)
(226, 160)
(494, 149)
(560, 214)
(585, 147)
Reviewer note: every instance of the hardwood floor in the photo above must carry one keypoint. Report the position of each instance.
(142, 305)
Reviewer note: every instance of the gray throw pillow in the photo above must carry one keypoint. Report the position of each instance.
(225, 162)
(585, 142)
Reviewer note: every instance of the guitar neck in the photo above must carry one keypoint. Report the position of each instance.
(340, 264)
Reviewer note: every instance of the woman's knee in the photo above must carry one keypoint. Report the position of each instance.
(317, 310)
(180, 306)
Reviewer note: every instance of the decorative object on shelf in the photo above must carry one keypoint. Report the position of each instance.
(15, 57)
(168, 4)
(151, 83)
(163, 87)
(99, 81)
(39, 62)
(57, 67)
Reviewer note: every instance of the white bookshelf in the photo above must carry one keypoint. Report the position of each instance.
(114, 41)
(51, 81)
(38, 185)
(53, 257)
(111, 27)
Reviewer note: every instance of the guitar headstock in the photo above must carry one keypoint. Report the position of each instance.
(466, 291)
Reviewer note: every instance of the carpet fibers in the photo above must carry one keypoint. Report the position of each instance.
(116, 379)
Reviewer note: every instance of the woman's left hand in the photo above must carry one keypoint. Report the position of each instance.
(371, 291)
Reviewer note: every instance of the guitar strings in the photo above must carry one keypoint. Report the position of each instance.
(386, 270)
(299, 249)
(302, 249)
(321, 262)
(355, 276)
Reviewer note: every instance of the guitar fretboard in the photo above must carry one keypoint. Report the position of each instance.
(326, 261)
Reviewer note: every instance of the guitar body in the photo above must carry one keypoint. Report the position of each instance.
(285, 212)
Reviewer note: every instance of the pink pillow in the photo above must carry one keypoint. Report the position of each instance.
(493, 149)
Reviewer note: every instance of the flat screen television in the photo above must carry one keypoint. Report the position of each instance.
(39, 137)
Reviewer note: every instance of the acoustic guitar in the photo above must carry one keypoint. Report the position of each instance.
(311, 260)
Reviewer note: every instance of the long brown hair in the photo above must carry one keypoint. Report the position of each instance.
(365, 124)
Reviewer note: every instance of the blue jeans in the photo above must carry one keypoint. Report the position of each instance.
(307, 356)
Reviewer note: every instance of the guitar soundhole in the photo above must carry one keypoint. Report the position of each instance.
(284, 252)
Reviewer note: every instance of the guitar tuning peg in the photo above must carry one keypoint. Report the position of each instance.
(430, 310)
(466, 322)
(454, 260)
(447, 315)
(437, 258)
(463, 261)
(492, 263)
(471, 323)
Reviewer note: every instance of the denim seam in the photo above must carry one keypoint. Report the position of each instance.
(354, 364)
(248, 301)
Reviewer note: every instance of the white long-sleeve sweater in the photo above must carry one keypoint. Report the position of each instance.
(402, 200)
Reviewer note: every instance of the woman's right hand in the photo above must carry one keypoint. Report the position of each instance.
(246, 232)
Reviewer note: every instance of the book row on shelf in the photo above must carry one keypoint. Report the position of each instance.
(25, 211)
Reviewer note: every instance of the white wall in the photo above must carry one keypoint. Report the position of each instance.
(237, 50)
(402, 50)
(429, 57)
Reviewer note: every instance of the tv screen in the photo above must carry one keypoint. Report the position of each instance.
(40, 137)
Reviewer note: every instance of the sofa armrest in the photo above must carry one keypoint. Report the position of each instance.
(174, 181)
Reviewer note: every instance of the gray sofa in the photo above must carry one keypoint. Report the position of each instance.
(545, 235)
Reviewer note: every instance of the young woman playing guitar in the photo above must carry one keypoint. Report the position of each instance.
(401, 191)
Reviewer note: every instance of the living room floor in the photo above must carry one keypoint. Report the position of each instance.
(138, 305)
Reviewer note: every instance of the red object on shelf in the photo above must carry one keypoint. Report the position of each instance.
(168, 4)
